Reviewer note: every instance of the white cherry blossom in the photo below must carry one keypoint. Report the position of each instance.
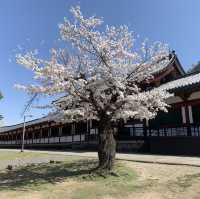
(101, 75)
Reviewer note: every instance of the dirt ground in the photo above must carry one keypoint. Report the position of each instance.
(166, 181)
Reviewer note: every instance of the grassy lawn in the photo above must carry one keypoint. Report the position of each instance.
(71, 179)
(64, 179)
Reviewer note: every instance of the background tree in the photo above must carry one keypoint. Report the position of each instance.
(195, 68)
(101, 77)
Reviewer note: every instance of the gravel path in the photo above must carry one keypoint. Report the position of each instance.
(160, 159)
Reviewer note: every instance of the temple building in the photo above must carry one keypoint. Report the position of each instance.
(175, 132)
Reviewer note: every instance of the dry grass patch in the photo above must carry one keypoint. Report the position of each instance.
(12, 155)
(69, 179)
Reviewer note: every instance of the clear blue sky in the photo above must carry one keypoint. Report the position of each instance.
(33, 24)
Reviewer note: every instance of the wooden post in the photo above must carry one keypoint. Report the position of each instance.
(80, 137)
(158, 131)
(190, 114)
(149, 131)
(86, 135)
(40, 134)
(49, 132)
(183, 113)
(60, 132)
(165, 132)
(188, 122)
(72, 132)
(190, 118)
(145, 128)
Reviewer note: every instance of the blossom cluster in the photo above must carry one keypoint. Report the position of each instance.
(101, 74)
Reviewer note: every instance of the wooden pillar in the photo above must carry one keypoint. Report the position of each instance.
(87, 123)
(41, 137)
(187, 112)
(190, 114)
(7, 138)
(89, 126)
(183, 113)
(73, 131)
(86, 134)
(145, 122)
(15, 137)
(32, 133)
(11, 139)
(49, 132)
(60, 132)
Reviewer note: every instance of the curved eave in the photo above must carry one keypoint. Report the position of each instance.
(185, 83)
(174, 59)
(187, 88)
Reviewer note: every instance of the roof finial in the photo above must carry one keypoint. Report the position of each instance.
(173, 52)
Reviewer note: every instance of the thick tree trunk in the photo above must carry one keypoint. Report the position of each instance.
(106, 148)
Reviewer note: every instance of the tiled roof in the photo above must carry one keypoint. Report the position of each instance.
(170, 60)
(36, 121)
(182, 82)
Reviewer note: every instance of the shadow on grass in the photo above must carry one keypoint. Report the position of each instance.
(24, 178)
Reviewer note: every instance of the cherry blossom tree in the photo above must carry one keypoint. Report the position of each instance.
(101, 76)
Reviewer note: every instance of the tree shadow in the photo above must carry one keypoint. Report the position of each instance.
(26, 177)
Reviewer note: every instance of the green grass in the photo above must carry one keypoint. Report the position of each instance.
(48, 180)
(112, 186)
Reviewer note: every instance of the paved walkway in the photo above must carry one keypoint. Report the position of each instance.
(159, 159)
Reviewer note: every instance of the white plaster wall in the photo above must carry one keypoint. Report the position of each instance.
(195, 95)
(174, 99)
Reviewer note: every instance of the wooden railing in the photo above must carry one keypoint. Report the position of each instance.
(75, 138)
(184, 130)
(136, 133)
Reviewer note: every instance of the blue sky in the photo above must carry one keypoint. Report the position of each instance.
(33, 24)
